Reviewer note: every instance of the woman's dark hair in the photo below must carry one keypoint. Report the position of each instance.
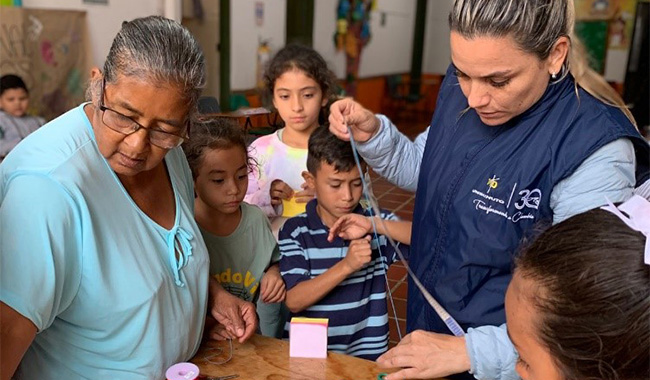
(217, 133)
(593, 297)
(307, 60)
(323, 146)
(10, 81)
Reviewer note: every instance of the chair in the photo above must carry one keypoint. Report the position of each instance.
(272, 126)
(208, 104)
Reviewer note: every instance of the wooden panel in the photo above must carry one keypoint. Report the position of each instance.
(370, 91)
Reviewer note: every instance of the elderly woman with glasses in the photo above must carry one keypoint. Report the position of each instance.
(103, 272)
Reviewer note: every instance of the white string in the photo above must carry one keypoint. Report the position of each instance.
(449, 321)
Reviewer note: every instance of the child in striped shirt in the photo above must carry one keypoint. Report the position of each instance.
(343, 281)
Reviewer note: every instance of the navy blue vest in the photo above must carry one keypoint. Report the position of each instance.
(482, 189)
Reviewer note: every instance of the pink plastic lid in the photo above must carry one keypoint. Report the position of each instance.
(182, 371)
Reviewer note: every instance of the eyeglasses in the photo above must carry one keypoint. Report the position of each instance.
(126, 126)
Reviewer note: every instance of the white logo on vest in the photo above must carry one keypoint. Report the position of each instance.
(492, 204)
(529, 198)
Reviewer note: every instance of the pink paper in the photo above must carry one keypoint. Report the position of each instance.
(308, 340)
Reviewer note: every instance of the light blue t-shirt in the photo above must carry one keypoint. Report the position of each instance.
(97, 276)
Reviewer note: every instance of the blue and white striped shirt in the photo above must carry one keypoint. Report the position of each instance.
(356, 308)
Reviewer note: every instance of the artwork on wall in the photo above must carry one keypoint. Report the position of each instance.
(622, 25)
(595, 9)
(259, 13)
(604, 25)
(352, 34)
(48, 49)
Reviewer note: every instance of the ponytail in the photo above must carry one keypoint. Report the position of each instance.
(585, 76)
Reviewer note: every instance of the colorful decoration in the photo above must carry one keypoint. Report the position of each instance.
(352, 35)
(604, 25)
(621, 27)
(594, 9)
(9, 3)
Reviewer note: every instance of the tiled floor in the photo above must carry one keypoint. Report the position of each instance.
(400, 202)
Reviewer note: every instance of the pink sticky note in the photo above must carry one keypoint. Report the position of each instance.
(308, 338)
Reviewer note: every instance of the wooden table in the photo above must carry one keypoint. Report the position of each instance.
(246, 115)
(267, 358)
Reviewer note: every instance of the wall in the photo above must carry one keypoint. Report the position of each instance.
(104, 21)
(389, 51)
(245, 35)
(390, 48)
(392, 41)
(437, 51)
(437, 54)
(206, 32)
(616, 65)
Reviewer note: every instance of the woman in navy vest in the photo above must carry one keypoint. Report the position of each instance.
(524, 132)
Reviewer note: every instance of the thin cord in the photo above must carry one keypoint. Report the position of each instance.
(449, 321)
(367, 190)
(218, 352)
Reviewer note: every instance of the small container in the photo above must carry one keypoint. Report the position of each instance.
(182, 371)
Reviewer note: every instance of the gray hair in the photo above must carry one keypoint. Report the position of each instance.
(160, 51)
(535, 25)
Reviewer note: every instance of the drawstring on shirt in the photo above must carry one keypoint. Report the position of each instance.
(178, 240)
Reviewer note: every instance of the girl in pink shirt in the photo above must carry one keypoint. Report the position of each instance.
(301, 85)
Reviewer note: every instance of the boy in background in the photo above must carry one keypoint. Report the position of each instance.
(15, 124)
(343, 281)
